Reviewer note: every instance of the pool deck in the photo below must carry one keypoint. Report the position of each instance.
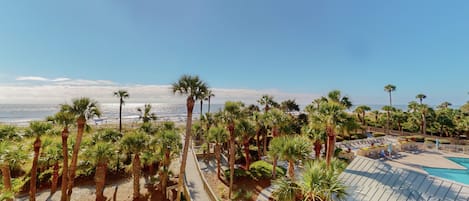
(415, 162)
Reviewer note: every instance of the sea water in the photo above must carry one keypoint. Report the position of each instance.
(22, 114)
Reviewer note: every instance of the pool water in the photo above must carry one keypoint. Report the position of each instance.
(461, 176)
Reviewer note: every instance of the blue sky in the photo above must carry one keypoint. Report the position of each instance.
(291, 47)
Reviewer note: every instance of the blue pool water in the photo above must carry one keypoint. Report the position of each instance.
(461, 176)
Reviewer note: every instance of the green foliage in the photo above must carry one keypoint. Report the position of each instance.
(8, 132)
(263, 170)
(238, 173)
(242, 195)
(106, 135)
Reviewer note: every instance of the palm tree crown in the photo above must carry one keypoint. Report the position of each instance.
(390, 88)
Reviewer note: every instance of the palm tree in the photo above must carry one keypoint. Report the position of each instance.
(321, 183)
(65, 119)
(317, 135)
(121, 94)
(208, 97)
(218, 135)
(267, 101)
(445, 104)
(331, 114)
(289, 106)
(38, 129)
(232, 112)
(361, 110)
(287, 190)
(390, 88)
(169, 142)
(424, 122)
(201, 97)
(145, 114)
(134, 143)
(245, 130)
(275, 119)
(294, 149)
(388, 110)
(11, 155)
(275, 148)
(421, 97)
(336, 96)
(100, 155)
(83, 109)
(192, 87)
(53, 153)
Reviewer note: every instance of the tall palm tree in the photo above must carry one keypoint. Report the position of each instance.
(201, 97)
(388, 110)
(267, 101)
(232, 113)
(275, 119)
(245, 130)
(218, 135)
(100, 155)
(390, 88)
(295, 148)
(121, 94)
(209, 96)
(134, 143)
(289, 105)
(169, 142)
(53, 154)
(65, 119)
(331, 114)
(38, 128)
(275, 148)
(361, 110)
(83, 109)
(317, 135)
(191, 86)
(424, 122)
(11, 155)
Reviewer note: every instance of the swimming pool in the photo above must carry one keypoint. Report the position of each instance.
(461, 176)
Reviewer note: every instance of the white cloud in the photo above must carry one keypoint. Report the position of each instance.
(66, 81)
(102, 91)
(31, 78)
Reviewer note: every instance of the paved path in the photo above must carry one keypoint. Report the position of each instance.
(193, 181)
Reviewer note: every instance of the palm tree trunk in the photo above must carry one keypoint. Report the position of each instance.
(274, 168)
(55, 178)
(73, 167)
(390, 99)
(63, 193)
(120, 115)
(136, 176)
(363, 118)
(201, 105)
(190, 106)
(100, 179)
(264, 139)
(258, 143)
(317, 149)
(164, 178)
(217, 154)
(291, 169)
(330, 145)
(208, 104)
(232, 158)
(246, 152)
(32, 184)
(387, 122)
(6, 177)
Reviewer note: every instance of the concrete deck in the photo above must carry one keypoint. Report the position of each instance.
(415, 162)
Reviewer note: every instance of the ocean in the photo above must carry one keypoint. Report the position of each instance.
(22, 114)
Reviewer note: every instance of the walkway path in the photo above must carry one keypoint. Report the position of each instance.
(193, 181)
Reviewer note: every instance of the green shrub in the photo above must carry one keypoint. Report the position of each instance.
(358, 136)
(263, 170)
(237, 173)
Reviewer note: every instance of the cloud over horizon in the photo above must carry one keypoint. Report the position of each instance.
(33, 89)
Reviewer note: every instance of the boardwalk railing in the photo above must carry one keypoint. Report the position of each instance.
(207, 187)
(462, 149)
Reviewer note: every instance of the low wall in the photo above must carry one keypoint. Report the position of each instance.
(207, 187)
